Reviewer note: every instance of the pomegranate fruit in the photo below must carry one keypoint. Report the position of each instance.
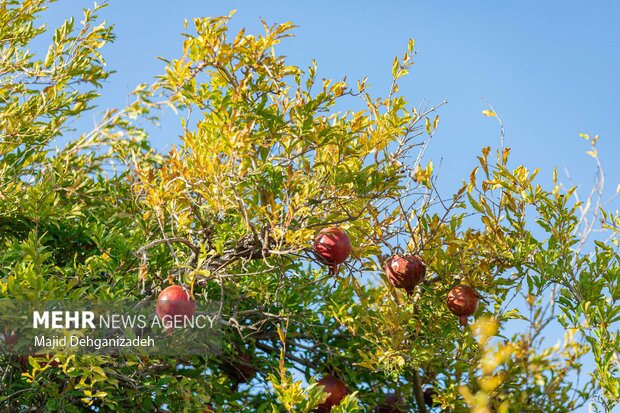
(10, 338)
(332, 246)
(392, 403)
(173, 302)
(336, 390)
(429, 395)
(240, 369)
(405, 271)
(462, 301)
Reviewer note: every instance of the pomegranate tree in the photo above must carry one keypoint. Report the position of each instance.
(336, 390)
(405, 271)
(173, 302)
(463, 302)
(332, 246)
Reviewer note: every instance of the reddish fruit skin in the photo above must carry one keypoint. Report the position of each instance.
(241, 370)
(239, 367)
(337, 391)
(405, 271)
(428, 397)
(10, 338)
(332, 246)
(393, 403)
(174, 301)
(463, 302)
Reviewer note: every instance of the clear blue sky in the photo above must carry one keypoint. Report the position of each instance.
(550, 69)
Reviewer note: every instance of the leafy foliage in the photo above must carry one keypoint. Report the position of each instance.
(268, 158)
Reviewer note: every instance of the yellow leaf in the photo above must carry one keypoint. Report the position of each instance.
(488, 384)
(489, 113)
(394, 66)
(505, 155)
(410, 45)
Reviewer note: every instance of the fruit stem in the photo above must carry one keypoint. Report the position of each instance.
(463, 320)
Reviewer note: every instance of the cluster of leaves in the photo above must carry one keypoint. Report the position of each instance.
(268, 158)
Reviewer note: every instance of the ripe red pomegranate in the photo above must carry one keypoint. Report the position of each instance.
(174, 301)
(463, 301)
(392, 403)
(429, 394)
(241, 369)
(10, 338)
(332, 246)
(405, 271)
(337, 391)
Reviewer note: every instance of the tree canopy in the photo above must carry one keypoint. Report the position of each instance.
(268, 157)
